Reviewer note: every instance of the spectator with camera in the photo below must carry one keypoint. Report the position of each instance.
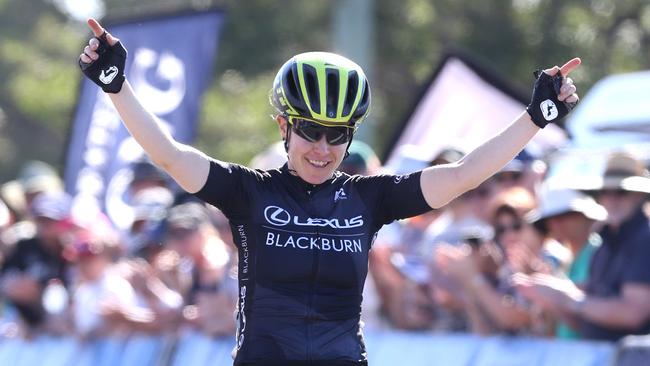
(36, 262)
(209, 287)
(615, 301)
(569, 217)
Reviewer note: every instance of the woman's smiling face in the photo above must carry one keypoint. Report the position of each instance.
(314, 162)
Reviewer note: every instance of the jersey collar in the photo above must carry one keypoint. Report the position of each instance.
(305, 186)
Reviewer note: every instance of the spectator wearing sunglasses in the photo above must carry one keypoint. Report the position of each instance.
(304, 230)
(456, 269)
(512, 173)
(211, 292)
(397, 268)
(492, 304)
(523, 171)
(468, 209)
(616, 299)
(37, 261)
(103, 301)
(522, 245)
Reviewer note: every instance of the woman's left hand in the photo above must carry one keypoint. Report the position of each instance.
(567, 90)
(554, 94)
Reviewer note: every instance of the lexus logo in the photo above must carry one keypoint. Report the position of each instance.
(277, 216)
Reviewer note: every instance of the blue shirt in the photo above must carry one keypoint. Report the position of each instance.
(621, 259)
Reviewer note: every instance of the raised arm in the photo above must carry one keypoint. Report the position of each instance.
(188, 166)
(441, 184)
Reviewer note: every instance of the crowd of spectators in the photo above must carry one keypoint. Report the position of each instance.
(522, 255)
(514, 256)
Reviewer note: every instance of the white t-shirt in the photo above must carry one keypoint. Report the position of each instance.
(89, 297)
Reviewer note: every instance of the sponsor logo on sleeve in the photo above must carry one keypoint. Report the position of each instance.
(399, 178)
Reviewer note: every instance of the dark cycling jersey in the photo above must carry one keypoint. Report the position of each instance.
(303, 257)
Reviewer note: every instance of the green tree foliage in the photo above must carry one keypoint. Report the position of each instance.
(39, 81)
(39, 44)
(512, 37)
(236, 123)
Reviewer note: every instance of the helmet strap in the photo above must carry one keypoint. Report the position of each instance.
(286, 139)
(286, 146)
(347, 149)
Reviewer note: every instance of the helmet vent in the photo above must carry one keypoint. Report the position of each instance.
(364, 97)
(362, 107)
(311, 82)
(353, 86)
(332, 92)
(292, 84)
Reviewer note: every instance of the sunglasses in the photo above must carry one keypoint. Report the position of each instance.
(508, 177)
(86, 249)
(481, 192)
(313, 131)
(502, 229)
(612, 192)
(180, 233)
(474, 242)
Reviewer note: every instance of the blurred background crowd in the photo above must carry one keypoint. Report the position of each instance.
(518, 255)
(545, 248)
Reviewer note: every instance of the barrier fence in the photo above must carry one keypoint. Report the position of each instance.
(384, 349)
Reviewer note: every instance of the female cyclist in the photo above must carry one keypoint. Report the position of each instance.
(304, 230)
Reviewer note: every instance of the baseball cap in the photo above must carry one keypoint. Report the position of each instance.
(447, 155)
(4, 214)
(37, 176)
(187, 216)
(152, 203)
(52, 205)
(84, 244)
(409, 159)
(271, 158)
(145, 171)
(360, 158)
(518, 163)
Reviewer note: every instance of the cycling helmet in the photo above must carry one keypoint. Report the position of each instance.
(325, 87)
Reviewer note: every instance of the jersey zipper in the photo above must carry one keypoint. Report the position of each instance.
(312, 289)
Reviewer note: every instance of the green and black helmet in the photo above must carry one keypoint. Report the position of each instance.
(325, 87)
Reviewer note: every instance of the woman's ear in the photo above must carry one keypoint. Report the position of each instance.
(283, 124)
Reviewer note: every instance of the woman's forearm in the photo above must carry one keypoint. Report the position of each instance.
(145, 127)
(492, 155)
(442, 184)
(188, 166)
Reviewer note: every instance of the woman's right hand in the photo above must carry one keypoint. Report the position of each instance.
(103, 63)
(103, 59)
(90, 51)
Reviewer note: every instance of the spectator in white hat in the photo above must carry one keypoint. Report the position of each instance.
(36, 261)
(568, 216)
(616, 300)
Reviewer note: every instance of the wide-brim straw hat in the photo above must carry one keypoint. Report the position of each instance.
(622, 172)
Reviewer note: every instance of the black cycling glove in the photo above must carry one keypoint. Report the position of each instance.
(108, 70)
(544, 106)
